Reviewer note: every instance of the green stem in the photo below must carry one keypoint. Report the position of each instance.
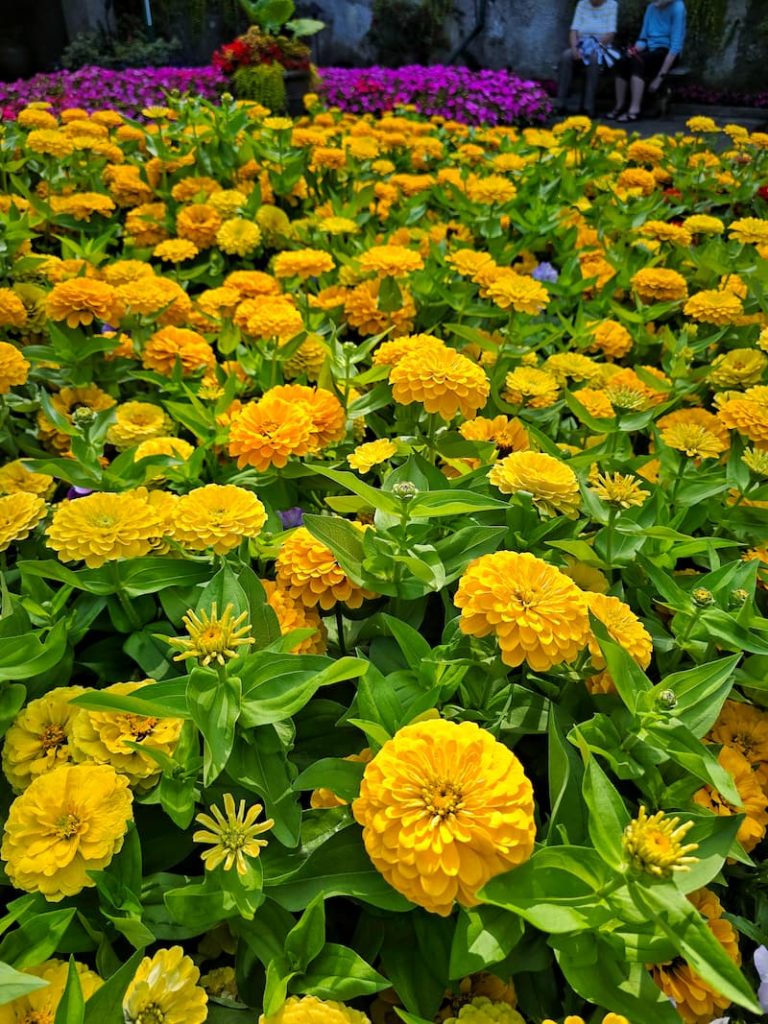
(340, 628)
(125, 604)
(677, 481)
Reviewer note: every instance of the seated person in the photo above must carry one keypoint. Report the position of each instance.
(653, 55)
(592, 31)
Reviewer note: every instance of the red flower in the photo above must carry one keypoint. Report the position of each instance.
(231, 56)
(763, 192)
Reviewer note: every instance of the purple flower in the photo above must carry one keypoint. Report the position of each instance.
(78, 492)
(291, 517)
(760, 957)
(545, 272)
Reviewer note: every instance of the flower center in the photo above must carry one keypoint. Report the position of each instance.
(37, 1017)
(232, 838)
(52, 737)
(150, 1014)
(745, 741)
(140, 727)
(104, 521)
(442, 799)
(68, 826)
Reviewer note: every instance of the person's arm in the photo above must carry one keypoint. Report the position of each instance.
(577, 26)
(574, 41)
(677, 37)
(641, 39)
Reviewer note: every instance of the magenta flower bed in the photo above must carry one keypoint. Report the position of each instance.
(490, 97)
(493, 97)
(95, 88)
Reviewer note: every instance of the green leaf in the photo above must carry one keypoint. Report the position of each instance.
(608, 816)
(71, 1008)
(484, 936)
(276, 686)
(14, 984)
(453, 503)
(306, 939)
(410, 641)
(214, 705)
(265, 627)
(337, 972)
(700, 691)
(716, 838)
(224, 589)
(259, 762)
(688, 930)
(36, 939)
(594, 972)
(343, 538)
(565, 774)
(382, 501)
(629, 678)
(342, 777)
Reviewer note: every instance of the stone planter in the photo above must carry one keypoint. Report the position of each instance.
(297, 84)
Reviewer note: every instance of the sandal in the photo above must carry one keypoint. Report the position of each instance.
(628, 117)
(613, 115)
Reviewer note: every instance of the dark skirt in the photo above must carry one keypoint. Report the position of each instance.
(644, 64)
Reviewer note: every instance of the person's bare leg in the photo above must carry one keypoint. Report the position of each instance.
(621, 96)
(637, 88)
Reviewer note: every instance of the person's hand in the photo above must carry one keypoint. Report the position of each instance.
(655, 84)
(576, 52)
(631, 51)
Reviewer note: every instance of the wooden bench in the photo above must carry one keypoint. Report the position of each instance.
(673, 79)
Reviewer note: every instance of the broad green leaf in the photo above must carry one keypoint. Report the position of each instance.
(214, 705)
(700, 692)
(337, 972)
(36, 939)
(306, 939)
(339, 775)
(71, 1008)
(484, 936)
(343, 538)
(608, 816)
(14, 984)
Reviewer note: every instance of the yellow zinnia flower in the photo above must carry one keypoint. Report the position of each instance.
(15, 477)
(103, 527)
(233, 835)
(238, 236)
(175, 250)
(391, 260)
(82, 300)
(164, 990)
(103, 737)
(754, 802)
(217, 516)
(135, 422)
(302, 263)
(311, 1010)
(309, 572)
(714, 307)
(444, 808)
(552, 484)
(292, 614)
(14, 368)
(171, 344)
(19, 515)
(656, 284)
(366, 456)
(66, 823)
(442, 380)
(749, 230)
(482, 1010)
(210, 638)
(38, 740)
(39, 1007)
(13, 312)
(538, 614)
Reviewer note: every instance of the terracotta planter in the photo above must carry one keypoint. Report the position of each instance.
(297, 84)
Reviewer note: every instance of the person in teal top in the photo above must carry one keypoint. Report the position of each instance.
(647, 62)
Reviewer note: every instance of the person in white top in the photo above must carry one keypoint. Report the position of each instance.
(592, 30)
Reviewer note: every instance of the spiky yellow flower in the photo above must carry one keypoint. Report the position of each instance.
(164, 990)
(657, 284)
(482, 1010)
(19, 515)
(309, 572)
(695, 1000)
(14, 368)
(654, 844)
(537, 612)
(66, 823)
(366, 456)
(311, 1010)
(619, 489)
(217, 516)
(39, 1007)
(105, 737)
(103, 527)
(38, 741)
(210, 638)
(442, 380)
(444, 808)
(552, 484)
(82, 300)
(232, 835)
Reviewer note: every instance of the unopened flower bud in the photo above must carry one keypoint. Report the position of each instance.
(738, 597)
(83, 416)
(667, 700)
(702, 597)
(227, 97)
(405, 490)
